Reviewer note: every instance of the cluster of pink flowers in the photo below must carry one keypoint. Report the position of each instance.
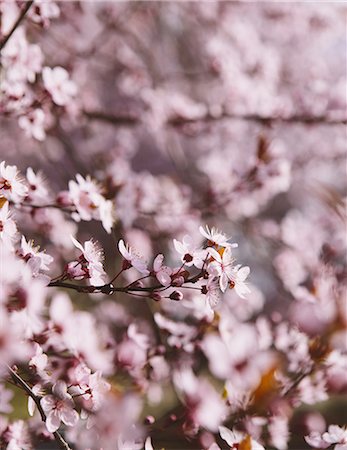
(126, 322)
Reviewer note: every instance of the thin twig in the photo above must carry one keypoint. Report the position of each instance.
(24, 385)
(16, 24)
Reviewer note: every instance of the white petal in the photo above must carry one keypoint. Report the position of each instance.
(77, 244)
(243, 273)
(227, 435)
(157, 263)
(53, 421)
(69, 416)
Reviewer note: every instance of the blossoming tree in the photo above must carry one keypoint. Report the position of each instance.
(126, 321)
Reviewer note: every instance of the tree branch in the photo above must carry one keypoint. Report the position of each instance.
(20, 382)
(21, 16)
(132, 119)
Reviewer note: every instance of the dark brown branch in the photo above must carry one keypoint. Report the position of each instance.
(119, 119)
(110, 289)
(20, 382)
(132, 119)
(16, 24)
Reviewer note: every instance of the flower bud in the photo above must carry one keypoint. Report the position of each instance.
(156, 296)
(176, 295)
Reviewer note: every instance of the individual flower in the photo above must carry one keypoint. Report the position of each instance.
(12, 186)
(39, 360)
(212, 292)
(8, 227)
(239, 440)
(221, 266)
(190, 255)
(91, 386)
(17, 436)
(237, 280)
(37, 185)
(59, 85)
(33, 124)
(36, 260)
(86, 195)
(206, 407)
(132, 259)
(59, 407)
(216, 237)
(162, 273)
(90, 263)
(335, 435)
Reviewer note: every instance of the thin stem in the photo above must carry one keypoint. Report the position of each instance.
(24, 385)
(116, 276)
(16, 24)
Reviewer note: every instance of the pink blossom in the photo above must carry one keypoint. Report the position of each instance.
(237, 279)
(190, 254)
(8, 227)
(59, 407)
(233, 438)
(39, 360)
(37, 261)
(335, 435)
(33, 124)
(38, 191)
(58, 84)
(215, 237)
(222, 267)
(207, 407)
(86, 196)
(91, 262)
(212, 292)
(12, 185)
(132, 258)
(91, 386)
(17, 436)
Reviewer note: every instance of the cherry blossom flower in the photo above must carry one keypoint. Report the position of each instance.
(91, 386)
(59, 407)
(222, 266)
(33, 124)
(17, 436)
(212, 292)
(190, 254)
(59, 85)
(335, 435)
(237, 279)
(12, 186)
(8, 227)
(36, 260)
(235, 439)
(216, 237)
(207, 408)
(91, 262)
(44, 11)
(132, 258)
(37, 187)
(86, 196)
